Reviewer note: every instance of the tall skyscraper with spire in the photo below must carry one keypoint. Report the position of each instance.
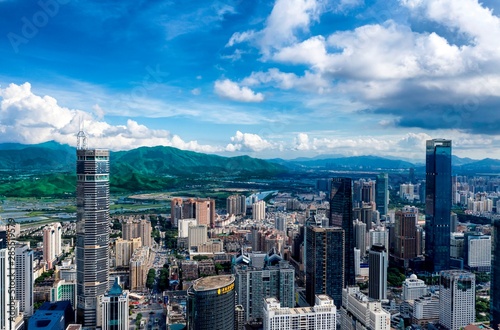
(92, 229)
(341, 216)
(438, 204)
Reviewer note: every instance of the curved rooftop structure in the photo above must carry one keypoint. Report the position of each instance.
(212, 282)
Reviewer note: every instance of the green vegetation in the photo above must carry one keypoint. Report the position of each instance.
(395, 277)
(482, 309)
(171, 238)
(33, 240)
(482, 277)
(163, 283)
(44, 276)
(150, 279)
(200, 258)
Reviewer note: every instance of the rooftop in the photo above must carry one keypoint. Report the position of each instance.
(212, 282)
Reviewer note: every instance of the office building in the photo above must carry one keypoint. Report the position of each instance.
(24, 279)
(495, 275)
(322, 316)
(360, 237)
(92, 230)
(378, 261)
(325, 262)
(457, 241)
(52, 316)
(280, 222)
(197, 235)
(379, 235)
(183, 227)
(477, 252)
(236, 204)
(63, 290)
(382, 193)
(457, 299)
(259, 210)
(438, 204)
(211, 303)
(360, 312)
(114, 309)
(341, 216)
(425, 311)
(405, 247)
(253, 283)
(414, 288)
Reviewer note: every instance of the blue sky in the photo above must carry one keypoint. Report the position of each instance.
(284, 78)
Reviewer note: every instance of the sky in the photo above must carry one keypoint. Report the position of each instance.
(269, 79)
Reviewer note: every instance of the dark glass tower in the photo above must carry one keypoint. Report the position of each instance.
(438, 204)
(325, 263)
(495, 276)
(341, 216)
(92, 231)
(381, 191)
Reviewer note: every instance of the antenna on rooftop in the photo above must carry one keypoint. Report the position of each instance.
(81, 138)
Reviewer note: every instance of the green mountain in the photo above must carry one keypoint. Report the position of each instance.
(48, 169)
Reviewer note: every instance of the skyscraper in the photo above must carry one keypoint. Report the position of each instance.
(406, 235)
(457, 299)
(438, 204)
(325, 263)
(24, 279)
(211, 303)
(378, 261)
(495, 275)
(341, 216)
(382, 193)
(115, 309)
(92, 229)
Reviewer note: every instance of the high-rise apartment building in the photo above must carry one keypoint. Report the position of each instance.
(321, 316)
(341, 216)
(378, 261)
(253, 284)
(24, 279)
(124, 249)
(438, 204)
(134, 228)
(114, 309)
(325, 262)
(259, 210)
(405, 247)
(360, 237)
(382, 193)
(236, 204)
(201, 209)
(477, 252)
(211, 303)
(51, 243)
(457, 299)
(495, 275)
(92, 230)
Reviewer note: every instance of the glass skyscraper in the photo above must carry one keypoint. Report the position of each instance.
(92, 231)
(325, 248)
(341, 216)
(381, 193)
(438, 204)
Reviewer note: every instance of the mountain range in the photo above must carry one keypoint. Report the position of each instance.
(154, 168)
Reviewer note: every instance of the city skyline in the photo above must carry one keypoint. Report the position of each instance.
(283, 79)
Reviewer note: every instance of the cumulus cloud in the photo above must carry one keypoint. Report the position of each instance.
(29, 118)
(302, 142)
(248, 142)
(231, 90)
(283, 80)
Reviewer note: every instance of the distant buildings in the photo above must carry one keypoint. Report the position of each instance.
(495, 276)
(322, 316)
(438, 204)
(201, 209)
(382, 193)
(211, 303)
(24, 279)
(236, 204)
(135, 228)
(405, 247)
(259, 210)
(124, 249)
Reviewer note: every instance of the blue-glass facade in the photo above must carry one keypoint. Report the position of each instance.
(325, 263)
(381, 193)
(438, 205)
(341, 216)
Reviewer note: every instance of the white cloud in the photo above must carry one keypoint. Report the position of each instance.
(302, 142)
(248, 142)
(283, 80)
(99, 112)
(239, 37)
(28, 118)
(196, 91)
(229, 89)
